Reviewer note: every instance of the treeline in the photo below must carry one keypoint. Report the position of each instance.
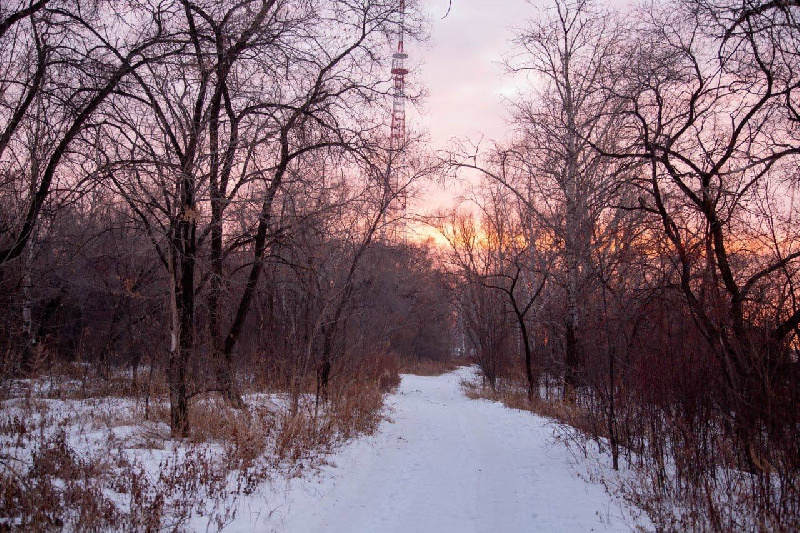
(630, 261)
(205, 190)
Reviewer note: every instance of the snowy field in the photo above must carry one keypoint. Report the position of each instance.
(442, 463)
(438, 462)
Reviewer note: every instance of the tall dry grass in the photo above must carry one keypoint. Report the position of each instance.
(80, 452)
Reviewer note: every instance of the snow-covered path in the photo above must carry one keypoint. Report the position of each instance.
(447, 463)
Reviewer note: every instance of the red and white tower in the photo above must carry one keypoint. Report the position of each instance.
(395, 214)
(399, 71)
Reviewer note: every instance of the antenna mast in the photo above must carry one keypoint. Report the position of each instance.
(397, 139)
(399, 71)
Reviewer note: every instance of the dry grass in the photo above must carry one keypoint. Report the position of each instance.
(513, 394)
(80, 381)
(428, 367)
(651, 484)
(96, 459)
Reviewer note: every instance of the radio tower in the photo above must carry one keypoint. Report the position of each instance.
(399, 71)
(397, 137)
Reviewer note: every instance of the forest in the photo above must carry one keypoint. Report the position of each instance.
(217, 261)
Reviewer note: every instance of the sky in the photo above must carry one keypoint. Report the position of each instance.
(459, 66)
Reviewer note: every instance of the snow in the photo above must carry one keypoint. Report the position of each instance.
(441, 463)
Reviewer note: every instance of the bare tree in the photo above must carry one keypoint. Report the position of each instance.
(553, 168)
(61, 52)
(714, 192)
(265, 86)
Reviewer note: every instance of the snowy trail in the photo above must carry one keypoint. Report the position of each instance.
(447, 463)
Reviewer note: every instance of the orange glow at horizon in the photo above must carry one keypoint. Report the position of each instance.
(423, 233)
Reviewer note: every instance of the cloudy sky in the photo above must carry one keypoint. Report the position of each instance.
(460, 67)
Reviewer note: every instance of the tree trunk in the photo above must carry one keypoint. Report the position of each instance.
(184, 249)
(526, 345)
(571, 354)
(26, 363)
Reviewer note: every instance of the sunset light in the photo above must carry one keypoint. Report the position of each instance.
(367, 266)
